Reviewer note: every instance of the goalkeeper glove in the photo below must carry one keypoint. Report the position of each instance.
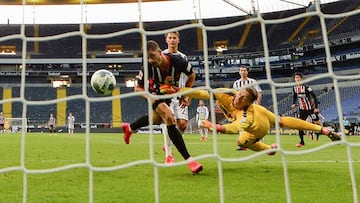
(207, 124)
(168, 89)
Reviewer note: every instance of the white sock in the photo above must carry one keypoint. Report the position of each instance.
(167, 142)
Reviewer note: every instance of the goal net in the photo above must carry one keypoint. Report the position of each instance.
(15, 125)
(225, 174)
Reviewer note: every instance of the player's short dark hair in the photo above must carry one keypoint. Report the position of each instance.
(152, 45)
(298, 74)
(243, 66)
(253, 93)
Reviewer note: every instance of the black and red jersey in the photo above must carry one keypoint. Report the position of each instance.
(157, 77)
(305, 97)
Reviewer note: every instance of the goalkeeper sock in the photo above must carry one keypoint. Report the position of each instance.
(140, 122)
(178, 141)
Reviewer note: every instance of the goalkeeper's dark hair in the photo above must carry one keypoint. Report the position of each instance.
(252, 92)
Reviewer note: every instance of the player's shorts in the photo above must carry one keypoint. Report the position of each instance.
(179, 112)
(304, 114)
(2, 126)
(315, 116)
(157, 102)
(71, 127)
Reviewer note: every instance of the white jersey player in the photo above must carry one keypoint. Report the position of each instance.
(245, 80)
(71, 124)
(202, 114)
(180, 111)
(2, 122)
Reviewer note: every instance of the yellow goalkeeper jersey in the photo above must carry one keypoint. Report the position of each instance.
(255, 119)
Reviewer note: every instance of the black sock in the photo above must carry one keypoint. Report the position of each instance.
(140, 122)
(178, 141)
(301, 135)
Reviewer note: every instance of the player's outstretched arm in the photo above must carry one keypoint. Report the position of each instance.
(195, 93)
(207, 124)
(231, 128)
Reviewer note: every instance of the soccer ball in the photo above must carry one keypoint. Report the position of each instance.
(103, 82)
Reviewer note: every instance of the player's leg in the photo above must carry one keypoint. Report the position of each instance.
(295, 123)
(181, 115)
(303, 116)
(69, 130)
(167, 147)
(206, 133)
(201, 129)
(140, 122)
(248, 140)
(316, 120)
(163, 110)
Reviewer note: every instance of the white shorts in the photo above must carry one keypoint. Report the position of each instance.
(179, 112)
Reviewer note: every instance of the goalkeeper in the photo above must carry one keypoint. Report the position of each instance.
(253, 121)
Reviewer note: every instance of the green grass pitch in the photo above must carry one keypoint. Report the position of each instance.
(319, 176)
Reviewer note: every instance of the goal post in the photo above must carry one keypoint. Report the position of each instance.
(15, 125)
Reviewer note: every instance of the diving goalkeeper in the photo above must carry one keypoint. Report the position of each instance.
(253, 121)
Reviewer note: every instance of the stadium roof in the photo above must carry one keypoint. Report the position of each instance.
(62, 2)
(114, 11)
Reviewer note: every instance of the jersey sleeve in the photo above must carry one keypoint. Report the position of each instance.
(258, 88)
(235, 84)
(183, 65)
(294, 96)
(232, 128)
(313, 95)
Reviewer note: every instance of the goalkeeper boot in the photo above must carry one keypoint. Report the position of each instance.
(195, 167)
(273, 146)
(334, 136)
(127, 132)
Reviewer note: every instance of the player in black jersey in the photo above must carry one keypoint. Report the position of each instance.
(163, 75)
(305, 99)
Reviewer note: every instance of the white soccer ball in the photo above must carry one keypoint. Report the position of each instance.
(103, 82)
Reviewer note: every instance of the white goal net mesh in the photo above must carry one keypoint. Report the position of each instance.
(20, 124)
